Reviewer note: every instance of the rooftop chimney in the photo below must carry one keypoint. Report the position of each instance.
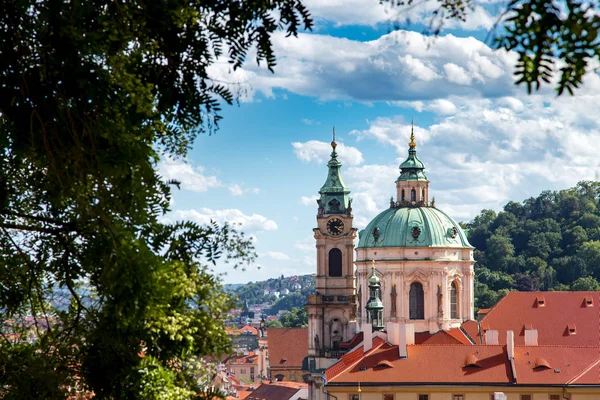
(367, 337)
(393, 333)
(406, 338)
(531, 337)
(510, 352)
(491, 337)
(510, 344)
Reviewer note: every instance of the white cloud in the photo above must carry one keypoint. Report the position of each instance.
(320, 152)
(275, 255)
(457, 74)
(393, 131)
(248, 223)
(309, 200)
(373, 12)
(237, 190)
(489, 151)
(191, 178)
(399, 66)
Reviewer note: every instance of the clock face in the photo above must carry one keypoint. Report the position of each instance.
(335, 226)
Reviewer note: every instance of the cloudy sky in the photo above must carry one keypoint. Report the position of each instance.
(484, 141)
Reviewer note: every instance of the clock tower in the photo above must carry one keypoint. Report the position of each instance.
(332, 309)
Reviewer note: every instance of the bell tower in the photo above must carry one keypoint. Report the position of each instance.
(332, 309)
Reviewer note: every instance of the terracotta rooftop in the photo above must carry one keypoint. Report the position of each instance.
(275, 391)
(250, 358)
(287, 347)
(467, 364)
(451, 336)
(551, 314)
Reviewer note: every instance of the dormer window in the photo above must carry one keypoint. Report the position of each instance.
(571, 329)
(588, 302)
(539, 302)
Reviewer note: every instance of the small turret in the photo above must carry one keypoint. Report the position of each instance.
(374, 305)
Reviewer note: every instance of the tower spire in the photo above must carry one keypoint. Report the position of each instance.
(333, 143)
(412, 143)
(334, 193)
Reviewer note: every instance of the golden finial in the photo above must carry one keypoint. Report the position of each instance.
(412, 143)
(358, 390)
(333, 143)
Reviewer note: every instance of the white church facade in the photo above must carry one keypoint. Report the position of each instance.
(413, 267)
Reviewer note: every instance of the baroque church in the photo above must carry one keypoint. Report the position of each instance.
(392, 318)
(414, 266)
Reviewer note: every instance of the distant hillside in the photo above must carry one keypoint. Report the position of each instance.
(264, 291)
(550, 242)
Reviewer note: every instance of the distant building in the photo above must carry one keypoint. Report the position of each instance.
(244, 368)
(243, 339)
(288, 347)
(285, 292)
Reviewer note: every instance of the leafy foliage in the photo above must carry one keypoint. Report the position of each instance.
(557, 36)
(551, 242)
(98, 294)
(296, 318)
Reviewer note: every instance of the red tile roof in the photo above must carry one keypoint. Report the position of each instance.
(275, 391)
(249, 330)
(250, 358)
(517, 310)
(417, 368)
(349, 359)
(472, 329)
(451, 336)
(467, 364)
(568, 364)
(287, 347)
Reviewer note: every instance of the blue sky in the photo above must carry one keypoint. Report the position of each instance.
(484, 141)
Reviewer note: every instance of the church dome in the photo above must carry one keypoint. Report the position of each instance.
(413, 227)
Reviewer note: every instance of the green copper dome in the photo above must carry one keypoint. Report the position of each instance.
(413, 227)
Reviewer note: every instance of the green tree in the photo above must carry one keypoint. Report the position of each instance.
(274, 323)
(589, 252)
(585, 284)
(499, 252)
(92, 95)
(296, 318)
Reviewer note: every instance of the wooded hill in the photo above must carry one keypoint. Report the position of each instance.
(550, 242)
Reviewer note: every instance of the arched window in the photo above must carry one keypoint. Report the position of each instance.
(453, 301)
(335, 262)
(403, 196)
(422, 194)
(416, 301)
(413, 195)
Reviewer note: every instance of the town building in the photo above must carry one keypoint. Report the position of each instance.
(403, 328)
(244, 368)
(244, 339)
(287, 349)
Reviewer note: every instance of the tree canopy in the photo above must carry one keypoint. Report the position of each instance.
(550, 242)
(98, 294)
(552, 38)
